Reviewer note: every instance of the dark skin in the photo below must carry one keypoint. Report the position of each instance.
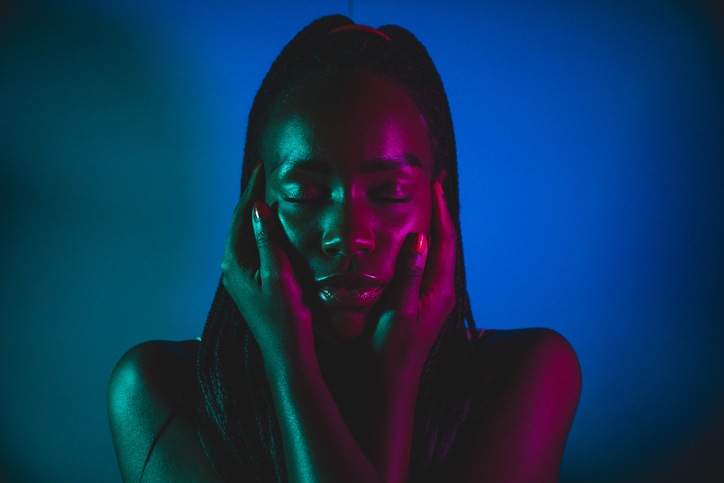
(342, 202)
(360, 218)
(346, 185)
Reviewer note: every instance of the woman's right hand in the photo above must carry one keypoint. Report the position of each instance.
(259, 277)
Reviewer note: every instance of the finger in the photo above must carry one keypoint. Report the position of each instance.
(240, 242)
(405, 294)
(274, 268)
(440, 276)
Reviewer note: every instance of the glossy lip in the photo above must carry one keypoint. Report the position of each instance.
(350, 290)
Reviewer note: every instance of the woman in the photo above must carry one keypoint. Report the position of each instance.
(336, 347)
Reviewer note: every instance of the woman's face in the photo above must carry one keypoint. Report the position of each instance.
(349, 170)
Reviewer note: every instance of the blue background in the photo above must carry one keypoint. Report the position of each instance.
(591, 153)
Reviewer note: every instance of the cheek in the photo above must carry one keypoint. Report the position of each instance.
(415, 221)
(300, 230)
(296, 227)
(393, 230)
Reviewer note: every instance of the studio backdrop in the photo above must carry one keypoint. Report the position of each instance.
(591, 151)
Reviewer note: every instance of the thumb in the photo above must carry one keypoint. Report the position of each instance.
(408, 276)
(274, 267)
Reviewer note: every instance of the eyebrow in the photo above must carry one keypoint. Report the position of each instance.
(321, 166)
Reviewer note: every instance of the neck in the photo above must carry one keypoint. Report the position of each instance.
(343, 365)
(344, 358)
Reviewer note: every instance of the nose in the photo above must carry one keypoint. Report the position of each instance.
(348, 230)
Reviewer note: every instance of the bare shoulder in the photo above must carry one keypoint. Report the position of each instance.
(150, 372)
(538, 360)
(149, 390)
(532, 349)
(534, 383)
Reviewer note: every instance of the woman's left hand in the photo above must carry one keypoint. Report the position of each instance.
(422, 296)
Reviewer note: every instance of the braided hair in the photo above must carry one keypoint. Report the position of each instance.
(236, 420)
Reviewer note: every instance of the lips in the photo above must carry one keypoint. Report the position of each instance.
(350, 290)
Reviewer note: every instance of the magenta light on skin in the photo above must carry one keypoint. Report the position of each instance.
(589, 145)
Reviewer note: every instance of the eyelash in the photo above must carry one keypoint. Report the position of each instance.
(394, 200)
(300, 200)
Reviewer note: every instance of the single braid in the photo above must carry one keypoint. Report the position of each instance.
(236, 418)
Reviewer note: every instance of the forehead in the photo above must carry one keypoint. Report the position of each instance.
(346, 123)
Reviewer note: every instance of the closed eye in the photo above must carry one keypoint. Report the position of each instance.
(301, 200)
(305, 195)
(391, 200)
(390, 193)
(319, 199)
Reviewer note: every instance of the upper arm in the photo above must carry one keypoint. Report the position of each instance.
(145, 389)
(522, 429)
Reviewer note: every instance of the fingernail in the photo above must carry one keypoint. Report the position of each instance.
(420, 243)
(261, 210)
(438, 185)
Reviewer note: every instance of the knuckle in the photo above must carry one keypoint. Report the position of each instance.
(271, 274)
(225, 266)
(441, 298)
(262, 238)
(414, 271)
(265, 274)
(448, 299)
(450, 303)
(408, 312)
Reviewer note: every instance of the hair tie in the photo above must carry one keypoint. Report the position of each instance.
(359, 27)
